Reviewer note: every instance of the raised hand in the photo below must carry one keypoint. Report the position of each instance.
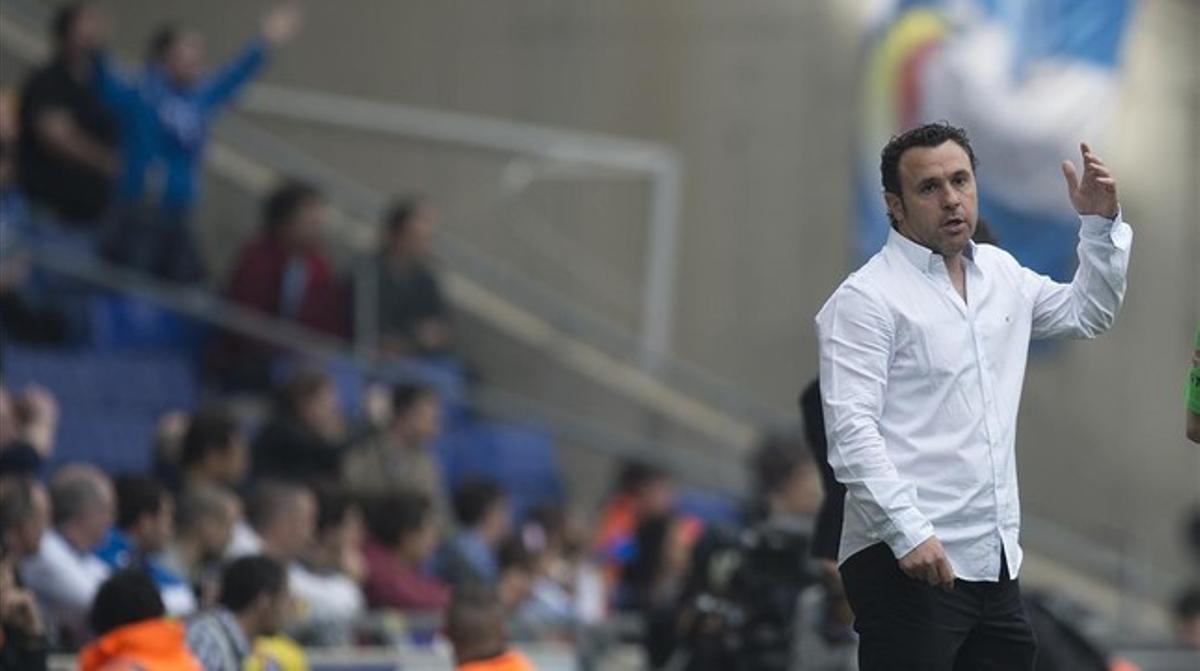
(281, 24)
(1096, 192)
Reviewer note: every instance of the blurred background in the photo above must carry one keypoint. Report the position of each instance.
(616, 222)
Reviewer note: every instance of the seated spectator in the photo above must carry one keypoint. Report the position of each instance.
(283, 521)
(164, 114)
(25, 316)
(567, 591)
(475, 625)
(65, 573)
(252, 603)
(402, 456)
(484, 517)
(284, 273)
(68, 137)
(214, 451)
(23, 642)
(1187, 618)
(28, 429)
(414, 318)
(167, 448)
(24, 514)
(518, 569)
(402, 536)
(145, 524)
(325, 581)
(204, 527)
(132, 629)
(306, 439)
(642, 491)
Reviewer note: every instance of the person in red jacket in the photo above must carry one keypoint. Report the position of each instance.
(283, 273)
(129, 618)
(403, 534)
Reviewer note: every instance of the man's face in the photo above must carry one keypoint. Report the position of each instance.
(302, 523)
(423, 421)
(234, 461)
(216, 532)
(304, 230)
(89, 31)
(938, 206)
(184, 59)
(416, 241)
(161, 527)
(803, 493)
(30, 532)
(100, 518)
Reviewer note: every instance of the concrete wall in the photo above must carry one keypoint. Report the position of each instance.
(758, 98)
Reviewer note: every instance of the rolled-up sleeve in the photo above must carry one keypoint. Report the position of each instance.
(855, 334)
(1088, 306)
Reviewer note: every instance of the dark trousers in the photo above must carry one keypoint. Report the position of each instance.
(907, 625)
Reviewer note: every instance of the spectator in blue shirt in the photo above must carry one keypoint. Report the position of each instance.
(484, 518)
(145, 525)
(165, 114)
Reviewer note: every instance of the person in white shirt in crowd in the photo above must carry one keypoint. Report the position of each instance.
(204, 527)
(283, 521)
(325, 581)
(922, 356)
(65, 573)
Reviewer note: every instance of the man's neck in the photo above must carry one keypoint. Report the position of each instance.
(76, 538)
(249, 626)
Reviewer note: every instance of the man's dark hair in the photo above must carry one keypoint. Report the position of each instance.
(778, 457)
(137, 496)
(926, 135)
(244, 580)
(475, 622)
(298, 390)
(474, 498)
(635, 476)
(285, 201)
(392, 517)
(64, 21)
(513, 554)
(406, 395)
(161, 41)
(334, 505)
(127, 597)
(401, 214)
(211, 430)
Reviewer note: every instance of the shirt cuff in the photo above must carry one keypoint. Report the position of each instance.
(909, 530)
(1113, 231)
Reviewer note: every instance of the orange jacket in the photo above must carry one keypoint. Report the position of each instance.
(509, 661)
(151, 645)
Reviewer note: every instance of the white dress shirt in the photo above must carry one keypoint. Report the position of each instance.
(64, 580)
(921, 388)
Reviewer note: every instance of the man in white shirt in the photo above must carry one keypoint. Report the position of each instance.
(923, 354)
(65, 573)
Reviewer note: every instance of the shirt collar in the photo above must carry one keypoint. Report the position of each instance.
(924, 258)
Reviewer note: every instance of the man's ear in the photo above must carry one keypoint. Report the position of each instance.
(895, 206)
